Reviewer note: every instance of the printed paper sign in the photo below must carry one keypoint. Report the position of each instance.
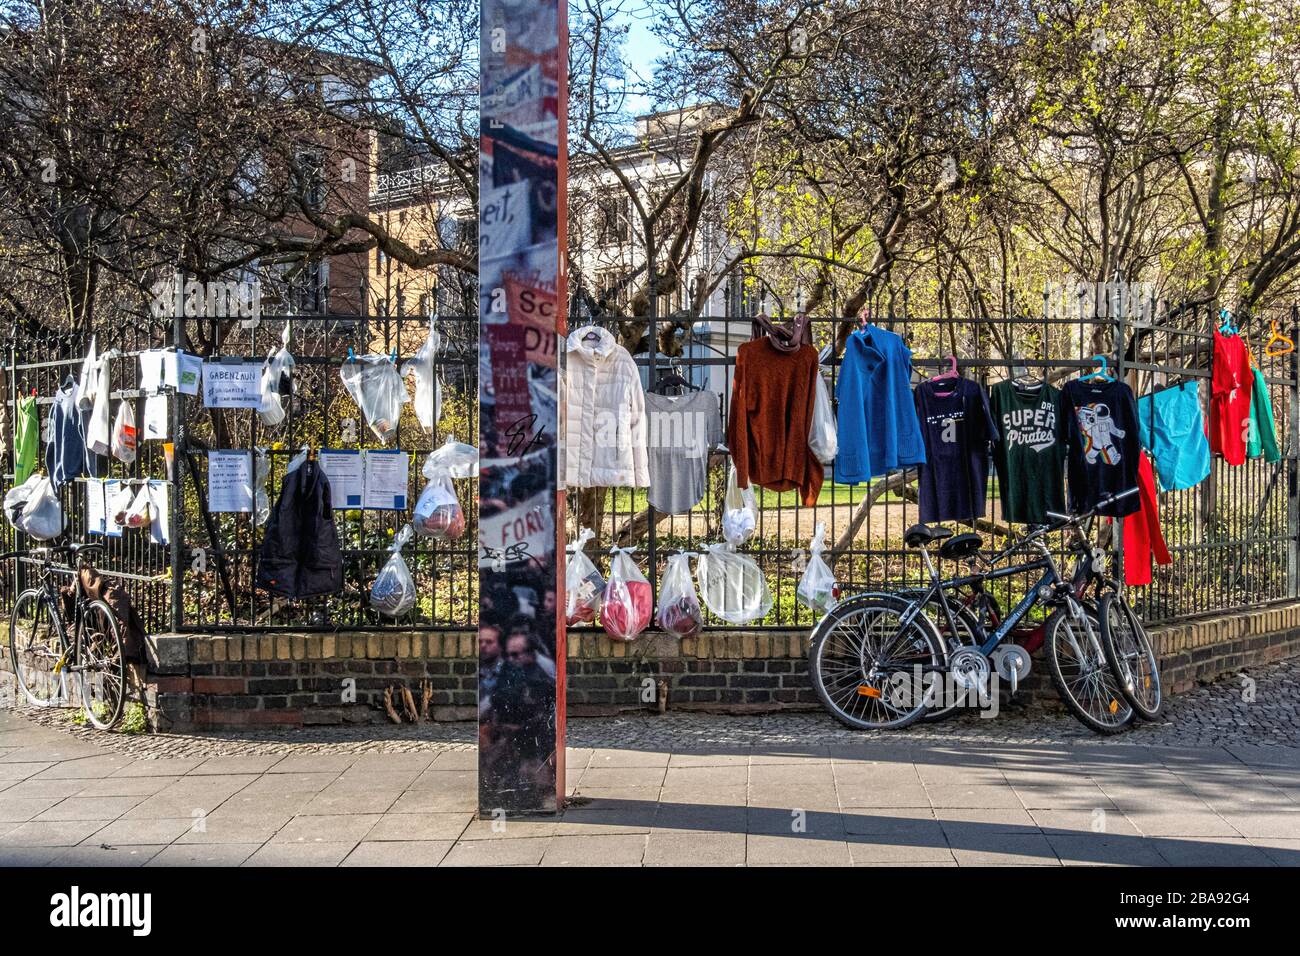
(160, 529)
(151, 370)
(387, 475)
(156, 423)
(232, 384)
(95, 506)
(346, 473)
(188, 371)
(112, 489)
(230, 481)
(531, 303)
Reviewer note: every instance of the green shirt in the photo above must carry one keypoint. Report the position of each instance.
(1263, 431)
(27, 439)
(1029, 455)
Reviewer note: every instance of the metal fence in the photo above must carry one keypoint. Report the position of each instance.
(1233, 537)
(203, 580)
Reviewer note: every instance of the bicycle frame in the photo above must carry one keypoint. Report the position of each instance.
(1050, 585)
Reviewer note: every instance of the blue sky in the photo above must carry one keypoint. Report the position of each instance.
(642, 48)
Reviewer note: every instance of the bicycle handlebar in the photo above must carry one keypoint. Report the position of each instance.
(1062, 520)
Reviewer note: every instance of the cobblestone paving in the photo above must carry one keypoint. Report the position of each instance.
(1258, 707)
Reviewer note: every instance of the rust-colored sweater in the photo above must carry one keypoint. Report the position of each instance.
(771, 408)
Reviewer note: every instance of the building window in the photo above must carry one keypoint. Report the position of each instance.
(613, 218)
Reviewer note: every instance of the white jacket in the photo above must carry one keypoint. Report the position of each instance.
(605, 419)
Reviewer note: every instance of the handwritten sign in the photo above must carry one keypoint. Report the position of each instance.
(232, 384)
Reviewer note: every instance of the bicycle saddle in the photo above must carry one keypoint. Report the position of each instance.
(920, 535)
(961, 547)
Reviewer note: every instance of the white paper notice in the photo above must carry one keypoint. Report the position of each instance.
(387, 477)
(160, 529)
(345, 470)
(232, 384)
(111, 490)
(187, 373)
(230, 481)
(95, 506)
(156, 425)
(151, 370)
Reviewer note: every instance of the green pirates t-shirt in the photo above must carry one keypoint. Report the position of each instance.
(1029, 457)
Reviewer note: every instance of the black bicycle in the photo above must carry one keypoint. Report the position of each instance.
(52, 656)
(878, 660)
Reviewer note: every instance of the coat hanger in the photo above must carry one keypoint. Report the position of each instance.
(1101, 373)
(1226, 325)
(951, 371)
(672, 379)
(1276, 338)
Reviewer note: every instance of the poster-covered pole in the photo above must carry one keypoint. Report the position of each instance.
(522, 299)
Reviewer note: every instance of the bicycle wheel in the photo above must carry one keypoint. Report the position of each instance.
(103, 666)
(1081, 674)
(1130, 655)
(863, 660)
(35, 650)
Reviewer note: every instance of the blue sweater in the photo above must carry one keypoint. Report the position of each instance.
(878, 428)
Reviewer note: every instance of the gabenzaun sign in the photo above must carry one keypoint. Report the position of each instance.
(522, 150)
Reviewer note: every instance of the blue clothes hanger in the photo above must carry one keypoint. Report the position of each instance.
(1226, 325)
(1100, 373)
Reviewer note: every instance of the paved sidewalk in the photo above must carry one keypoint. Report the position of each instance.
(68, 800)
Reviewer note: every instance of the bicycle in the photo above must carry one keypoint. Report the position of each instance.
(865, 651)
(45, 651)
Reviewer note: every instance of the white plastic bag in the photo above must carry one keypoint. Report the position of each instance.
(42, 516)
(822, 438)
(455, 458)
(428, 390)
(124, 433)
(142, 511)
(277, 383)
(378, 390)
(732, 585)
(679, 611)
(628, 602)
(17, 496)
(583, 584)
(120, 504)
(817, 588)
(739, 511)
(393, 592)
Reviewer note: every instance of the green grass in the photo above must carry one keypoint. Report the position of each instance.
(632, 500)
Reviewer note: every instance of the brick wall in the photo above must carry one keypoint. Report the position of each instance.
(296, 679)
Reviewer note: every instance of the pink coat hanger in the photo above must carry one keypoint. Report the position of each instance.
(952, 370)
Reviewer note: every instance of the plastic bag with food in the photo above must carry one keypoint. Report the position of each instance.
(679, 611)
(378, 390)
(628, 602)
(583, 583)
(817, 588)
(393, 592)
(739, 511)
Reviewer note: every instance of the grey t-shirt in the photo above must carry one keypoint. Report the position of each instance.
(683, 429)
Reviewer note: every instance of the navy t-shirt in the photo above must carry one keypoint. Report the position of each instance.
(1101, 428)
(958, 431)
